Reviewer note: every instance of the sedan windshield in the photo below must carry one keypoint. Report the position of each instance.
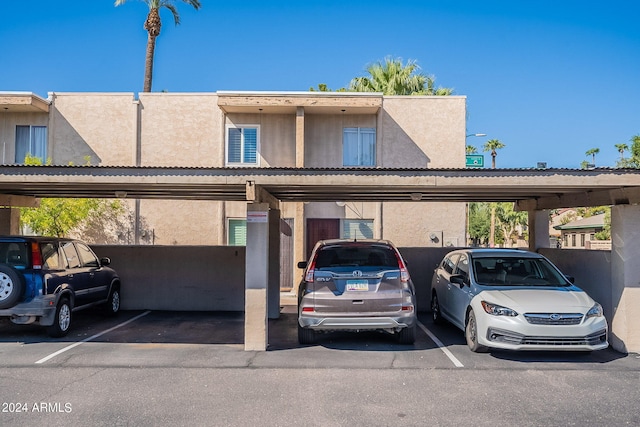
(514, 271)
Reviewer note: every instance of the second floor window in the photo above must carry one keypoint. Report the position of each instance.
(31, 140)
(242, 145)
(359, 147)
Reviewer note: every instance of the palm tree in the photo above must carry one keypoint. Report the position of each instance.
(392, 77)
(621, 149)
(471, 149)
(592, 152)
(153, 24)
(493, 145)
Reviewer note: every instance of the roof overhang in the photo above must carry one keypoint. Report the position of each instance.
(22, 102)
(530, 189)
(289, 102)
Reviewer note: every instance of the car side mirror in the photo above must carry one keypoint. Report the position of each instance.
(105, 261)
(302, 264)
(457, 279)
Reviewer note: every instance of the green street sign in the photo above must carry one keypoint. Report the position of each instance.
(475, 161)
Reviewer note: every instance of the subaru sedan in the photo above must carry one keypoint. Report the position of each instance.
(515, 300)
(356, 285)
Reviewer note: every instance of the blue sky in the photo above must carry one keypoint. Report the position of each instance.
(549, 79)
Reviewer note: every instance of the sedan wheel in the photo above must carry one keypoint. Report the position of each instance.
(435, 310)
(471, 333)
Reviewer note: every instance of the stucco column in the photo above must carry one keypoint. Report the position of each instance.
(538, 230)
(9, 221)
(262, 274)
(625, 278)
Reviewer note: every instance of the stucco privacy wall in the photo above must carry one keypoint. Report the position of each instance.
(102, 126)
(175, 278)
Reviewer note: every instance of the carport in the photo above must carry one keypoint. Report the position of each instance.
(533, 190)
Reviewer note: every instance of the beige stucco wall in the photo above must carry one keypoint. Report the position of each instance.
(99, 125)
(423, 132)
(181, 129)
(188, 129)
(8, 123)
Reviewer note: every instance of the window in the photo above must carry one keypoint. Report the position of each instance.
(31, 140)
(237, 235)
(242, 145)
(71, 255)
(462, 268)
(50, 257)
(357, 229)
(359, 147)
(87, 256)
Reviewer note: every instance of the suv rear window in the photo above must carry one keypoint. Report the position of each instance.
(356, 255)
(14, 253)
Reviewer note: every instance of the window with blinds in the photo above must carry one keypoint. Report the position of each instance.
(242, 145)
(237, 232)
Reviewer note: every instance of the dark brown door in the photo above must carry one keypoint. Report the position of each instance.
(321, 229)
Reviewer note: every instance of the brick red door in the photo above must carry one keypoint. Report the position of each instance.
(321, 229)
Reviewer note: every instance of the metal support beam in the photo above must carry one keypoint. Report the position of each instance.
(10, 200)
(616, 196)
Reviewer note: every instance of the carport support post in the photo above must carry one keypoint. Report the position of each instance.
(625, 282)
(538, 230)
(262, 287)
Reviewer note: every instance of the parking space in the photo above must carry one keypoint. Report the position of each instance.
(156, 338)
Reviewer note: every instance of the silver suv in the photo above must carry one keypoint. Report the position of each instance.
(356, 285)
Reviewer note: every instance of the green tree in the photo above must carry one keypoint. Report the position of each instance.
(479, 218)
(592, 152)
(493, 145)
(510, 222)
(60, 216)
(153, 25)
(470, 149)
(621, 149)
(392, 77)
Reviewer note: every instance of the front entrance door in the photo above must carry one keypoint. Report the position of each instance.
(321, 229)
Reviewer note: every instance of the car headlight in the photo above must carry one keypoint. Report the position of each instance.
(498, 310)
(596, 311)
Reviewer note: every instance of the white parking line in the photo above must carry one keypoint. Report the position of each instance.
(441, 346)
(52, 355)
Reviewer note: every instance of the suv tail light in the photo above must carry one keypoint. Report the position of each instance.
(36, 257)
(310, 271)
(404, 273)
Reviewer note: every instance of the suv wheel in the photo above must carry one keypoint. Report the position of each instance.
(62, 319)
(407, 335)
(306, 335)
(11, 287)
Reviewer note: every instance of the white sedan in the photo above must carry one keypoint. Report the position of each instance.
(516, 300)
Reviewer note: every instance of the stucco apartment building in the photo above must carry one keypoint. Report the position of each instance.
(253, 129)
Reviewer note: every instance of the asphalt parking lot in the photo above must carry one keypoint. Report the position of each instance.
(190, 368)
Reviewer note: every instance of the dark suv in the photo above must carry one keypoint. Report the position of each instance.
(355, 286)
(45, 279)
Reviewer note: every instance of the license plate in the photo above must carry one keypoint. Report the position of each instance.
(357, 285)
